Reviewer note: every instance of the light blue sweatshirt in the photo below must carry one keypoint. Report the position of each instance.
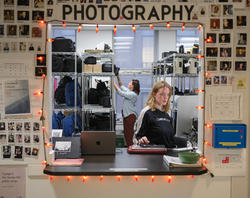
(129, 102)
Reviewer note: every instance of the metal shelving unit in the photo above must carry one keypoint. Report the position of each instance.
(177, 80)
(87, 78)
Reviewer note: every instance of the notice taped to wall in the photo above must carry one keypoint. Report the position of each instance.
(12, 182)
(226, 106)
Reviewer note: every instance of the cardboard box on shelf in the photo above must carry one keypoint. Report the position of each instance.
(88, 68)
(97, 68)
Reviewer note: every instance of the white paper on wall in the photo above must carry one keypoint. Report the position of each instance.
(226, 106)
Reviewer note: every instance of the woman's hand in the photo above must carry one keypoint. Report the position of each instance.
(143, 140)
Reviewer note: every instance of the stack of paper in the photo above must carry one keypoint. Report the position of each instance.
(176, 162)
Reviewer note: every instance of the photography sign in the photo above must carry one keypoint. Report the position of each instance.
(124, 13)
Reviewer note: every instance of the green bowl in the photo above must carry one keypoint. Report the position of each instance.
(189, 157)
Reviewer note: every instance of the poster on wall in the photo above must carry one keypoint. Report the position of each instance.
(12, 182)
(16, 97)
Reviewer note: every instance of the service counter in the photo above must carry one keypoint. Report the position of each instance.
(123, 163)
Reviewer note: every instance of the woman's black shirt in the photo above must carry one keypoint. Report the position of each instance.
(157, 127)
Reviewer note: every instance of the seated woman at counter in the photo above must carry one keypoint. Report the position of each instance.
(154, 125)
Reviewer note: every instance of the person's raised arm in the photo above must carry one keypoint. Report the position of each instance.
(115, 86)
(119, 80)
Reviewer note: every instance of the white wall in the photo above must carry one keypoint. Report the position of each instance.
(89, 39)
(180, 187)
(166, 41)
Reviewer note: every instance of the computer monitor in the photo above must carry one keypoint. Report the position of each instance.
(186, 111)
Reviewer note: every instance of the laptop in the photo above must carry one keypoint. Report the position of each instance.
(98, 142)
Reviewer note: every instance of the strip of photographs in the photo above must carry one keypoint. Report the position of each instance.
(19, 139)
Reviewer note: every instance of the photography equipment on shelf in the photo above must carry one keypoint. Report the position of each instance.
(60, 90)
(195, 49)
(181, 49)
(66, 63)
(107, 67)
(192, 66)
(178, 65)
(61, 44)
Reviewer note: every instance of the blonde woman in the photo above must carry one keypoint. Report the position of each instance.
(156, 126)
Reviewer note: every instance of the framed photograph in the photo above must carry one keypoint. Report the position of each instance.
(212, 51)
(19, 126)
(215, 10)
(223, 80)
(211, 37)
(214, 24)
(241, 21)
(227, 10)
(23, 15)
(8, 15)
(49, 12)
(38, 3)
(37, 15)
(216, 80)
(11, 30)
(3, 138)
(240, 51)
(248, 3)
(31, 47)
(26, 138)
(237, 1)
(2, 126)
(8, 2)
(1, 30)
(240, 65)
(27, 151)
(41, 62)
(224, 38)
(13, 47)
(17, 97)
(11, 138)
(36, 126)
(241, 38)
(225, 65)
(26, 126)
(227, 23)
(22, 46)
(36, 138)
(225, 52)
(208, 80)
(11, 126)
(212, 65)
(23, 2)
(36, 32)
(19, 138)
(6, 150)
(24, 30)
(18, 152)
(35, 151)
(39, 71)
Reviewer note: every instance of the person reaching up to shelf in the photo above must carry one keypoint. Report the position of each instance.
(154, 125)
(129, 114)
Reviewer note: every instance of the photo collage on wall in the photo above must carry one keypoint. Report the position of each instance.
(225, 53)
(19, 24)
(19, 139)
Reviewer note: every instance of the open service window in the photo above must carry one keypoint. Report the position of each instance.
(80, 54)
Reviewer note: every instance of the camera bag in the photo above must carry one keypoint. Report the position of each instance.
(61, 44)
